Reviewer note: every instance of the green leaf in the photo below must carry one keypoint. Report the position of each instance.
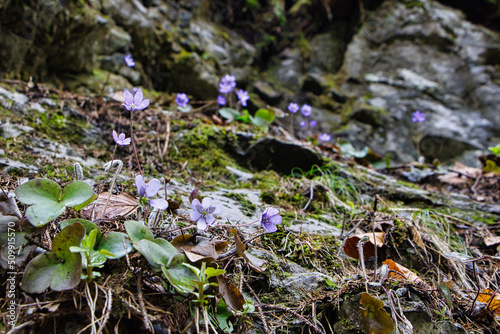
(375, 318)
(89, 226)
(76, 249)
(245, 117)
(75, 193)
(491, 166)
(113, 243)
(59, 269)
(495, 149)
(48, 200)
(90, 242)
(155, 253)
(349, 150)
(87, 202)
(137, 231)
(229, 113)
(185, 109)
(107, 253)
(211, 272)
(263, 118)
(179, 276)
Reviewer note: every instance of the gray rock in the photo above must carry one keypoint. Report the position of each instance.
(10, 130)
(12, 99)
(267, 92)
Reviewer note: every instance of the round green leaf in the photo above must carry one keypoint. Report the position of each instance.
(34, 191)
(44, 211)
(75, 193)
(89, 226)
(137, 231)
(113, 243)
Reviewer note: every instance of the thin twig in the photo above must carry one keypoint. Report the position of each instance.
(264, 322)
(147, 322)
(285, 309)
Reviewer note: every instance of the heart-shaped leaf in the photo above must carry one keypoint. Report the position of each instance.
(229, 114)
(137, 231)
(60, 269)
(48, 200)
(114, 244)
(180, 276)
(159, 252)
(263, 117)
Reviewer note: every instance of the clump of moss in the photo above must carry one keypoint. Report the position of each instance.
(246, 205)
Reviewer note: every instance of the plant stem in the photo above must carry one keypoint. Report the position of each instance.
(133, 141)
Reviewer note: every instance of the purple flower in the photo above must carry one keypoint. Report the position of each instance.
(324, 137)
(418, 117)
(129, 61)
(221, 100)
(134, 102)
(303, 124)
(134, 90)
(243, 97)
(203, 212)
(293, 107)
(312, 123)
(150, 190)
(181, 100)
(227, 84)
(306, 110)
(269, 219)
(120, 139)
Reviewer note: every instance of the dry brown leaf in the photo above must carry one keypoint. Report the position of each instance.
(493, 303)
(199, 248)
(405, 272)
(120, 205)
(491, 240)
(253, 262)
(351, 245)
(232, 296)
(461, 174)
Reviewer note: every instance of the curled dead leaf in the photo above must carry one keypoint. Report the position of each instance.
(404, 273)
(351, 245)
(121, 205)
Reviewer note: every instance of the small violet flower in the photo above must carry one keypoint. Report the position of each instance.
(243, 97)
(181, 100)
(221, 100)
(324, 137)
(227, 84)
(269, 219)
(306, 110)
(312, 123)
(129, 61)
(134, 102)
(150, 190)
(293, 107)
(120, 139)
(418, 117)
(303, 124)
(203, 212)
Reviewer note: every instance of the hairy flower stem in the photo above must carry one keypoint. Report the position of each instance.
(118, 171)
(361, 243)
(133, 140)
(107, 170)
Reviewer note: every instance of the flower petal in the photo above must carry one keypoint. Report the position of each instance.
(143, 105)
(158, 203)
(195, 204)
(115, 136)
(201, 224)
(126, 141)
(138, 97)
(206, 203)
(194, 215)
(217, 209)
(210, 220)
(153, 187)
(141, 186)
(271, 211)
(270, 228)
(128, 97)
(276, 220)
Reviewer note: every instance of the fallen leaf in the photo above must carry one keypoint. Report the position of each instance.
(492, 240)
(121, 205)
(351, 245)
(405, 272)
(232, 296)
(375, 318)
(461, 174)
(199, 248)
(493, 302)
(253, 262)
